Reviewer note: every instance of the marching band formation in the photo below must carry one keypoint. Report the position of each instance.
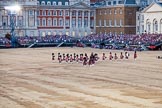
(89, 60)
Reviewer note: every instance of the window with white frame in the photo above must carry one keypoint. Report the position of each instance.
(44, 22)
(92, 13)
(110, 12)
(48, 3)
(79, 22)
(73, 13)
(60, 13)
(31, 12)
(67, 22)
(73, 22)
(120, 22)
(66, 3)
(121, 11)
(110, 22)
(67, 13)
(38, 22)
(100, 23)
(105, 23)
(92, 23)
(20, 21)
(43, 3)
(79, 13)
(49, 22)
(54, 3)
(115, 22)
(44, 12)
(55, 13)
(115, 11)
(49, 12)
(38, 12)
(85, 22)
(59, 3)
(55, 22)
(60, 22)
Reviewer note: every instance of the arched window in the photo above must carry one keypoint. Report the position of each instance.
(148, 26)
(43, 3)
(49, 3)
(155, 26)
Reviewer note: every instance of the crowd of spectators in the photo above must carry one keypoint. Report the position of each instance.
(144, 39)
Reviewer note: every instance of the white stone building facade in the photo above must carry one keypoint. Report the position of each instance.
(150, 19)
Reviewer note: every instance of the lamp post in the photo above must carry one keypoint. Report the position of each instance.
(12, 13)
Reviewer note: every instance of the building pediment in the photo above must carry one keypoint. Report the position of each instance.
(80, 5)
(154, 7)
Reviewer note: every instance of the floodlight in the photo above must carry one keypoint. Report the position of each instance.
(13, 8)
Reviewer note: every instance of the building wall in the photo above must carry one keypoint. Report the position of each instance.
(116, 20)
(25, 19)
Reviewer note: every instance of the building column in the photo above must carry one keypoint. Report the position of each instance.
(89, 18)
(70, 32)
(94, 21)
(76, 18)
(35, 17)
(82, 19)
(64, 21)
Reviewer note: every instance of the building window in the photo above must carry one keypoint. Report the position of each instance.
(92, 13)
(85, 22)
(54, 22)
(59, 3)
(54, 3)
(38, 22)
(67, 23)
(73, 13)
(60, 13)
(115, 11)
(86, 13)
(20, 21)
(79, 13)
(49, 22)
(38, 13)
(105, 23)
(92, 23)
(114, 2)
(109, 3)
(115, 23)
(120, 22)
(66, 3)
(48, 3)
(100, 23)
(43, 3)
(55, 13)
(110, 12)
(44, 22)
(120, 2)
(73, 22)
(44, 12)
(67, 13)
(79, 22)
(60, 22)
(100, 12)
(110, 23)
(142, 28)
(31, 12)
(121, 12)
(49, 12)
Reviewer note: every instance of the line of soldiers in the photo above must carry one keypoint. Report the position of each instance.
(83, 58)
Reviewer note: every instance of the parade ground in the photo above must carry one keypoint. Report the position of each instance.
(30, 79)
